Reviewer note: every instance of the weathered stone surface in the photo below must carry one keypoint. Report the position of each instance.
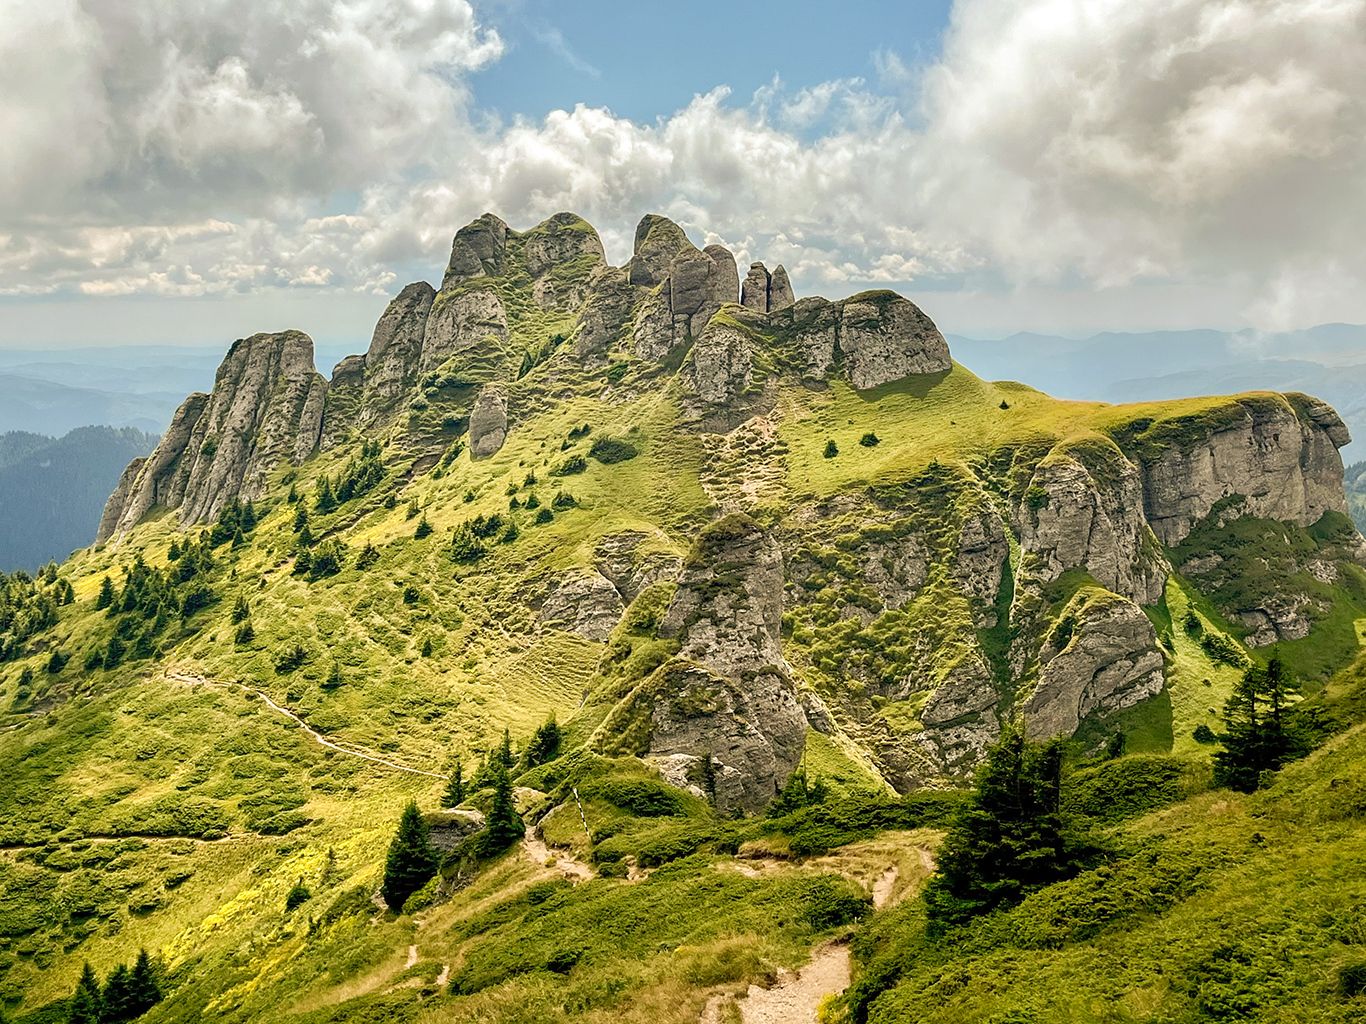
(897, 570)
(1277, 617)
(1067, 520)
(118, 501)
(587, 605)
(689, 275)
(721, 363)
(606, 310)
(817, 714)
(632, 562)
(1285, 467)
(344, 401)
(488, 422)
(449, 827)
(653, 333)
(477, 250)
(658, 241)
(728, 692)
(816, 323)
(723, 279)
(395, 352)
(982, 554)
(780, 295)
(754, 292)
(885, 337)
(460, 320)
(560, 239)
(568, 242)
(266, 407)
(1108, 661)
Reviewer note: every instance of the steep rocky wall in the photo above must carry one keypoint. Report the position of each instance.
(266, 407)
(1283, 460)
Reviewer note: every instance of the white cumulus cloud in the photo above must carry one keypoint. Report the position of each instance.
(208, 146)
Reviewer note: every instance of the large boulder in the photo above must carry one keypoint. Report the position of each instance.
(477, 250)
(395, 352)
(754, 292)
(588, 605)
(885, 337)
(721, 363)
(488, 421)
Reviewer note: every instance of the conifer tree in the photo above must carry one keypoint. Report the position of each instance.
(1259, 738)
(87, 1005)
(410, 862)
(106, 597)
(1009, 839)
(248, 517)
(118, 995)
(241, 610)
(504, 826)
(146, 989)
(504, 755)
(544, 744)
(707, 777)
(413, 508)
(455, 789)
(326, 501)
(300, 518)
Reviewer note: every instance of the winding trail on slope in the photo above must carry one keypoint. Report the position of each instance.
(192, 680)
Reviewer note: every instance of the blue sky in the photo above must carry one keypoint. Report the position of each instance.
(643, 60)
(189, 173)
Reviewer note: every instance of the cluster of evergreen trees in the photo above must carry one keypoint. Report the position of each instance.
(152, 598)
(362, 474)
(318, 560)
(127, 994)
(411, 861)
(29, 606)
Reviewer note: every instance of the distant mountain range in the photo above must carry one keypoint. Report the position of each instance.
(52, 490)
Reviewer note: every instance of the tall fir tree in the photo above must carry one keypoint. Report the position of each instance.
(145, 987)
(106, 597)
(1259, 737)
(544, 744)
(87, 1005)
(410, 862)
(119, 998)
(504, 825)
(455, 789)
(505, 751)
(1009, 839)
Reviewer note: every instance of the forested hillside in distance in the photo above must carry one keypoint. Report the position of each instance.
(52, 490)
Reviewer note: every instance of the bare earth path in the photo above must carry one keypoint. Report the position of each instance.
(193, 680)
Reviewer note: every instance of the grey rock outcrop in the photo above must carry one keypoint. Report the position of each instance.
(780, 295)
(1067, 520)
(764, 292)
(118, 501)
(728, 693)
(1286, 467)
(754, 292)
(982, 554)
(885, 337)
(345, 399)
(607, 308)
(488, 422)
(658, 240)
(723, 279)
(459, 321)
(587, 605)
(476, 251)
(266, 408)
(568, 242)
(721, 363)
(631, 563)
(879, 335)
(395, 353)
(1102, 657)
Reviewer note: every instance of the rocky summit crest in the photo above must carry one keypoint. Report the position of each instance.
(778, 523)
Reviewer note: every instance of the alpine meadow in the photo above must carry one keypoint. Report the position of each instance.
(648, 644)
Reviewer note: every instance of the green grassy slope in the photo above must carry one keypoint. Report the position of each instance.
(161, 802)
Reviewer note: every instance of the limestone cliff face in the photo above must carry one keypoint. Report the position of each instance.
(727, 694)
(266, 408)
(1102, 656)
(395, 352)
(1286, 465)
(682, 287)
(118, 501)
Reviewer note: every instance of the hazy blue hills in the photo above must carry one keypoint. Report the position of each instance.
(52, 490)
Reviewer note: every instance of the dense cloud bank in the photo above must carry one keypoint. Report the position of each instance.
(211, 147)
